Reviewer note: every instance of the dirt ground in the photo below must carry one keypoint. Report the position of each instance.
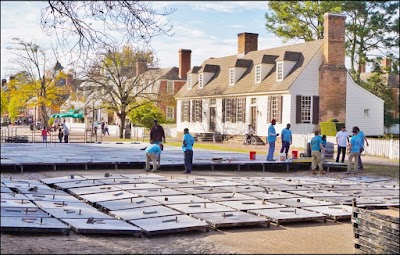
(290, 238)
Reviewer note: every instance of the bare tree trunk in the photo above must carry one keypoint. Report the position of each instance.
(122, 117)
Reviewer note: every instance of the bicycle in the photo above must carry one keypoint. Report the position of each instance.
(250, 140)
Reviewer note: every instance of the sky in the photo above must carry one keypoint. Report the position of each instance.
(208, 29)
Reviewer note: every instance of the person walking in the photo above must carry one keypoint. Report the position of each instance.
(187, 148)
(354, 150)
(316, 149)
(157, 134)
(153, 153)
(66, 133)
(106, 129)
(60, 135)
(271, 140)
(45, 132)
(342, 139)
(363, 139)
(286, 136)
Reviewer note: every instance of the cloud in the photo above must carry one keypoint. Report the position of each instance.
(227, 6)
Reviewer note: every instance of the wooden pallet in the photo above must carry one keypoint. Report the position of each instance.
(103, 226)
(376, 231)
(33, 224)
(231, 219)
(284, 215)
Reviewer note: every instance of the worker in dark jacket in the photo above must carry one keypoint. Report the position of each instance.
(157, 134)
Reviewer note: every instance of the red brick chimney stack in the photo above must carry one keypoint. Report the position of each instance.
(247, 42)
(362, 68)
(333, 73)
(141, 67)
(184, 62)
(386, 63)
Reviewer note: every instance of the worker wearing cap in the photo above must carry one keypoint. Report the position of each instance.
(271, 140)
(157, 134)
(153, 153)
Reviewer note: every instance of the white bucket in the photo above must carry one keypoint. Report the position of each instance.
(282, 157)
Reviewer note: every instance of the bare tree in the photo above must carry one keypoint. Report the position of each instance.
(83, 25)
(121, 80)
(41, 80)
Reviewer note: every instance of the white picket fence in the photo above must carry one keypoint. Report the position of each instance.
(377, 147)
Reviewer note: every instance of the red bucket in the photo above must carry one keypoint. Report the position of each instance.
(295, 154)
(252, 155)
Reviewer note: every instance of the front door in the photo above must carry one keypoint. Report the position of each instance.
(254, 118)
(212, 119)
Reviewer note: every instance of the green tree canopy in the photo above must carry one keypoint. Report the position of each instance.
(299, 19)
(145, 114)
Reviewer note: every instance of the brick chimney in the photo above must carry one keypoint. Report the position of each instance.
(362, 68)
(184, 62)
(247, 42)
(333, 73)
(386, 64)
(141, 67)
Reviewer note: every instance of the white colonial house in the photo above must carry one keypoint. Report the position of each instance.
(301, 84)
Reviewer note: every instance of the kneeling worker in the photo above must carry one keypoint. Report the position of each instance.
(153, 153)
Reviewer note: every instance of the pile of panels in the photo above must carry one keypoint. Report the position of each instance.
(153, 204)
(376, 231)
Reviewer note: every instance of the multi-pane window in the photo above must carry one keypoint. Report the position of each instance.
(366, 113)
(170, 87)
(149, 87)
(258, 73)
(231, 76)
(279, 71)
(185, 111)
(213, 101)
(201, 85)
(234, 110)
(170, 113)
(306, 109)
(275, 108)
(254, 100)
(196, 110)
(189, 81)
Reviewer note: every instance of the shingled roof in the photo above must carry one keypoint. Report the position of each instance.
(219, 85)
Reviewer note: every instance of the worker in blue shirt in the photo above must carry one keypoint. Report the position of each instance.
(153, 153)
(316, 149)
(354, 150)
(271, 140)
(362, 138)
(187, 148)
(286, 136)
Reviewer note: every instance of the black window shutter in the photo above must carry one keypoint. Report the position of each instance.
(298, 109)
(223, 110)
(201, 110)
(269, 112)
(315, 118)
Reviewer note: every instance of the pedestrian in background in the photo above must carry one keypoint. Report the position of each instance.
(106, 129)
(45, 132)
(316, 149)
(187, 148)
(286, 136)
(66, 133)
(354, 150)
(271, 140)
(362, 138)
(342, 139)
(157, 134)
(153, 153)
(60, 135)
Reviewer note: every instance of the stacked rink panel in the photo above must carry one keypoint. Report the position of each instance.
(376, 232)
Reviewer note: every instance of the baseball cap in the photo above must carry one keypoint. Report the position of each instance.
(273, 120)
(155, 120)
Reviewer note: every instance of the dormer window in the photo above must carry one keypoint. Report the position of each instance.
(258, 74)
(201, 80)
(231, 76)
(279, 71)
(189, 81)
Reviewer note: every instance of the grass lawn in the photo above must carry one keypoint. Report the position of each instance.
(382, 170)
